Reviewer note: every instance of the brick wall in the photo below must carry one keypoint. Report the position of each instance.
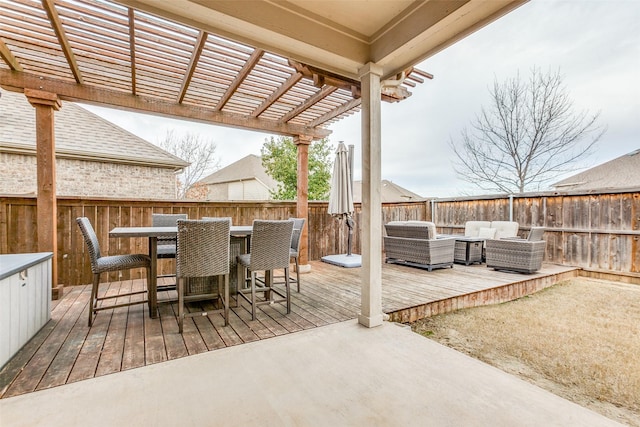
(88, 178)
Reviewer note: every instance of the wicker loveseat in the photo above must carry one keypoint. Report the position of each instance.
(414, 243)
(520, 255)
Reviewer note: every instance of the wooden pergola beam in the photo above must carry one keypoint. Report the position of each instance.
(72, 92)
(46, 104)
(132, 49)
(288, 84)
(244, 72)
(193, 63)
(54, 18)
(8, 57)
(336, 112)
(309, 102)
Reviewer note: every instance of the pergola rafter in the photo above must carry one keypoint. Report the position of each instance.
(202, 39)
(132, 49)
(54, 18)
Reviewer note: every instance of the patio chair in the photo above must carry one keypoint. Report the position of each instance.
(519, 255)
(294, 251)
(202, 252)
(101, 264)
(166, 244)
(270, 250)
(237, 246)
(298, 224)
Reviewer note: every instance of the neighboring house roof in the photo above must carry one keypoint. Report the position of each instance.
(391, 193)
(247, 168)
(79, 134)
(250, 167)
(622, 172)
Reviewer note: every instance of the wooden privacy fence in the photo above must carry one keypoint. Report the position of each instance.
(596, 231)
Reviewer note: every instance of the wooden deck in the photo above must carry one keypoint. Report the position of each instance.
(66, 350)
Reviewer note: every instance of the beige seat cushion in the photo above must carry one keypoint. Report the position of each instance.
(505, 228)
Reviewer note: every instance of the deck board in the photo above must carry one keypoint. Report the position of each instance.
(66, 350)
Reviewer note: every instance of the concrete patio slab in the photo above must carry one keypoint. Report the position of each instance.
(339, 375)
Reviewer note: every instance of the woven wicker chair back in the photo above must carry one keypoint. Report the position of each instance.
(166, 220)
(270, 244)
(408, 231)
(91, 240)
(535, 234)
(203, 248)
(298, 225)
(213, 218)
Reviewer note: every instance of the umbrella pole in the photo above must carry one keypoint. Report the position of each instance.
(350, 226)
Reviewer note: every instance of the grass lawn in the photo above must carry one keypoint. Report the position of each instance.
(579, 339)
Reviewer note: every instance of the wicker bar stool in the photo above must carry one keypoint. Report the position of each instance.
(101, 264)
(270, 250)
(202, 252)
(294, 251)
(166, 244)
(237, 246)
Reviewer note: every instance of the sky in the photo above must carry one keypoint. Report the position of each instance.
(595, 45)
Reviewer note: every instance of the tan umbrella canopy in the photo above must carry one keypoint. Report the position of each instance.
(341, 197)
(341, 204)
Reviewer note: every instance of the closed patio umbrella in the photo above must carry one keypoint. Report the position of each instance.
(341, 204)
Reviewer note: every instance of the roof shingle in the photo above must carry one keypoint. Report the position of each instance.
(622, 172)
(79, 134)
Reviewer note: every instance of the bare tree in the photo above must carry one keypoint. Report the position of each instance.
(197, 151)
(527, 137)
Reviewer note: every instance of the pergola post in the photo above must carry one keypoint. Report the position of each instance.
(371, 232)
(45, 104)
(302, 200)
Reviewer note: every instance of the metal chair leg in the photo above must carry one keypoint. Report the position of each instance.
(94, 298)
(288, 287)
(253, 295)
(297, 273)
(180, 304)
(226, 299)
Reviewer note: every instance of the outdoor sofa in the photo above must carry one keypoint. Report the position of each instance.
(415, 243)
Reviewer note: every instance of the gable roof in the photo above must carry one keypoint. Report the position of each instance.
(249, 167)
(80, 134)
(622, 172)
(390, 193)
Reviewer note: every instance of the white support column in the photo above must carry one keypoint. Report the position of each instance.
(371, 232)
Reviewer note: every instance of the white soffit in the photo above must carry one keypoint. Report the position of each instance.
(339, 36)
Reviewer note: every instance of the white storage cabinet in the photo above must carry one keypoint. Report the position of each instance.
(25, 299)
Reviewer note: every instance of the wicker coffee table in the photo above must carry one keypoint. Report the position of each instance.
(468, 250)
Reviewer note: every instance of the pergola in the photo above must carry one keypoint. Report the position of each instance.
(285, 67)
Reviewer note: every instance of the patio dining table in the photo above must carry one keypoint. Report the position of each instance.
(152, 233)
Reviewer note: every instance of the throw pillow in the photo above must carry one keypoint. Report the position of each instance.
(487, 233)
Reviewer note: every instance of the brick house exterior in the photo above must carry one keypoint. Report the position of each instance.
(94, 157)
